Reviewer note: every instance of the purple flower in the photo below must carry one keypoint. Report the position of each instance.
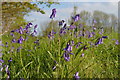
(21, 30)
(61, 23)
(54, 68)
(68, 48)
(66, 56)
(72, 27)
(62, 31)
(94, 28)
(93, 33)
(2, 61)
(53, 13)
(78, 44)
(12, 34)
(104, 37)
(35, 31)
(99, 41)
(51, 34)
(13, 31)
(35, 26)
(90, 35)
(17, 30)
(28, 25)
(76, 18)
(8, 72)
(94, 21)
(72, 42)
(76, 76)
(37, 42)
(13, 40)
(10, 60)
(20, 40)
(6, 43)
(82, 55)
(116, 42)
(6, 69)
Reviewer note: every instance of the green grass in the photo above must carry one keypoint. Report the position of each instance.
(98, 62)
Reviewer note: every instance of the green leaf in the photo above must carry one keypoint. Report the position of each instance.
(78, 51)
(51, 56)
(42, 12)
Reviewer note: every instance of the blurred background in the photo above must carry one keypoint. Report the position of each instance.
(16, 14)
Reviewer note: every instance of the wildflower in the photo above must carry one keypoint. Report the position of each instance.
(72, 42)
(12, 34)
(30, 24)
(61, 23)
(10, 60)
(21, 30)
(68, 48)
(51, 34)
(76, 76)
(6, 44)
(27, 27)
(13, 31)
(99, 41)
(104, 37)
(90, 35)
(53, 13)
(72, 26)
(17, 30)
(8, 72)
(94, 21)
(13, 40)
(20, 40)
(78, 44)
(35, 26)
(2, 61)
(35, 31)
(82, 54)
(93, 33)
(116, 42)
(94, 28)
(62, 31)
(76, 18)
(66, 56)
(37, 41)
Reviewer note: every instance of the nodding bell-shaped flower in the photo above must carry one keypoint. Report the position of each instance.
(53, 13)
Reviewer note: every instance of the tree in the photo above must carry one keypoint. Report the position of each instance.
(13, 13)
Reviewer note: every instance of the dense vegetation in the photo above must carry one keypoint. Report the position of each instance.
(74, 51)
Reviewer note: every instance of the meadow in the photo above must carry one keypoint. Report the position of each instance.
(75, 51)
